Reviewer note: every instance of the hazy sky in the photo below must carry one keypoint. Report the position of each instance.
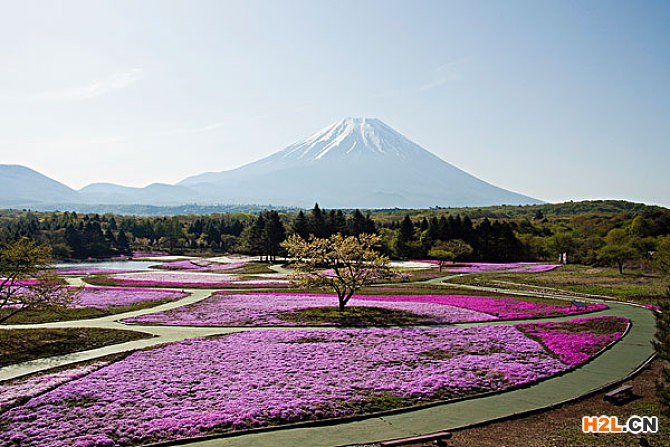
(557, 100)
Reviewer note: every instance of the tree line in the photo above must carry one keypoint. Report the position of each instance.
(636, 236)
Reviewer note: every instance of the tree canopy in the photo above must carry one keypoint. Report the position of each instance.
(27, 281)
(341, 263)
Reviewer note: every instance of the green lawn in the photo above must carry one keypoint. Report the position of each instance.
(632, 286)
(352, 316)
(22, 345)
(48, 316)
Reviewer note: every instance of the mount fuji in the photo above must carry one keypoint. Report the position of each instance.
(353, 163)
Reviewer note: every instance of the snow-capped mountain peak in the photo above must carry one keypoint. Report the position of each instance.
(351, 136)
(354, 162)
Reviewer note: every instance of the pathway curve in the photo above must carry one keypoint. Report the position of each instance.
(615, 364)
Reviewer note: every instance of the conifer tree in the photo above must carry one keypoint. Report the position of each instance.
(356, 223)
(273, 235)
(122, 242)
(318, 222)
(301, 226)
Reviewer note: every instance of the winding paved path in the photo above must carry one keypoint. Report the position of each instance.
(615, 364)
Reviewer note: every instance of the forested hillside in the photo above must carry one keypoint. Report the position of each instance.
(593, 232)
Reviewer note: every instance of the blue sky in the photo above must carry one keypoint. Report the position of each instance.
(557, 100)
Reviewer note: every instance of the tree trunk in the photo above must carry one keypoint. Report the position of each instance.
(340, 299)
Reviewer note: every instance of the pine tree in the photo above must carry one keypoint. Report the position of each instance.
(273, 235)
(406, 232)
(254, 237)
(122, 242)
(404, 238)
(301, 226)
(109, 236)
(318, 222)
(356, 223)
(340, 223)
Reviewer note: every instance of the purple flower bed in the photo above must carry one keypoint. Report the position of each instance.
(173, 279)
(105, 297)
(259, 378)
(200, 265)
(573, 345)
(259, 309)
(90, 271)
(189, 279)
(476, 267)
(499, 307)
(653, 307)
(13, 391)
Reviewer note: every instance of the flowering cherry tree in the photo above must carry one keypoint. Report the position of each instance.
(341, 263)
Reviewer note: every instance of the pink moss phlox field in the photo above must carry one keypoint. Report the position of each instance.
(258, 378)
(537, 268)
(23, 282)
(193, 279)
(264, 309)
(249, 309)
(89, 271)
(105, 297)
(476, 267)
(15, 390)
(498, 307)
(175, 279)
(200, 265)
(573, 348)
(652, 307)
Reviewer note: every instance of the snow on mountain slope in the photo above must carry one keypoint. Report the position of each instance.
(355, 162)
(352, 136)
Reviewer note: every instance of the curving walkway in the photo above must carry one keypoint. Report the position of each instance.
(614, 365)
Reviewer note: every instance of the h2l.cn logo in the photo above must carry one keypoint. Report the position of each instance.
(610, 424)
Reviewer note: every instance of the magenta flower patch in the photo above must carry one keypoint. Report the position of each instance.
(571, 343)
(476, 267)
(15, 390)
(259, 378)
(264, 309)
(499, 307)
(536, 268)
(192, 279)
(200, 265)
(105, 297)
(89, 271)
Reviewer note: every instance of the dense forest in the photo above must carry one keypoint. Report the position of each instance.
(593, 232)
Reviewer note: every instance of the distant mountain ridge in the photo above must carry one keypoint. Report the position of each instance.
(352, 163)
(21, 185)
(355, 163)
